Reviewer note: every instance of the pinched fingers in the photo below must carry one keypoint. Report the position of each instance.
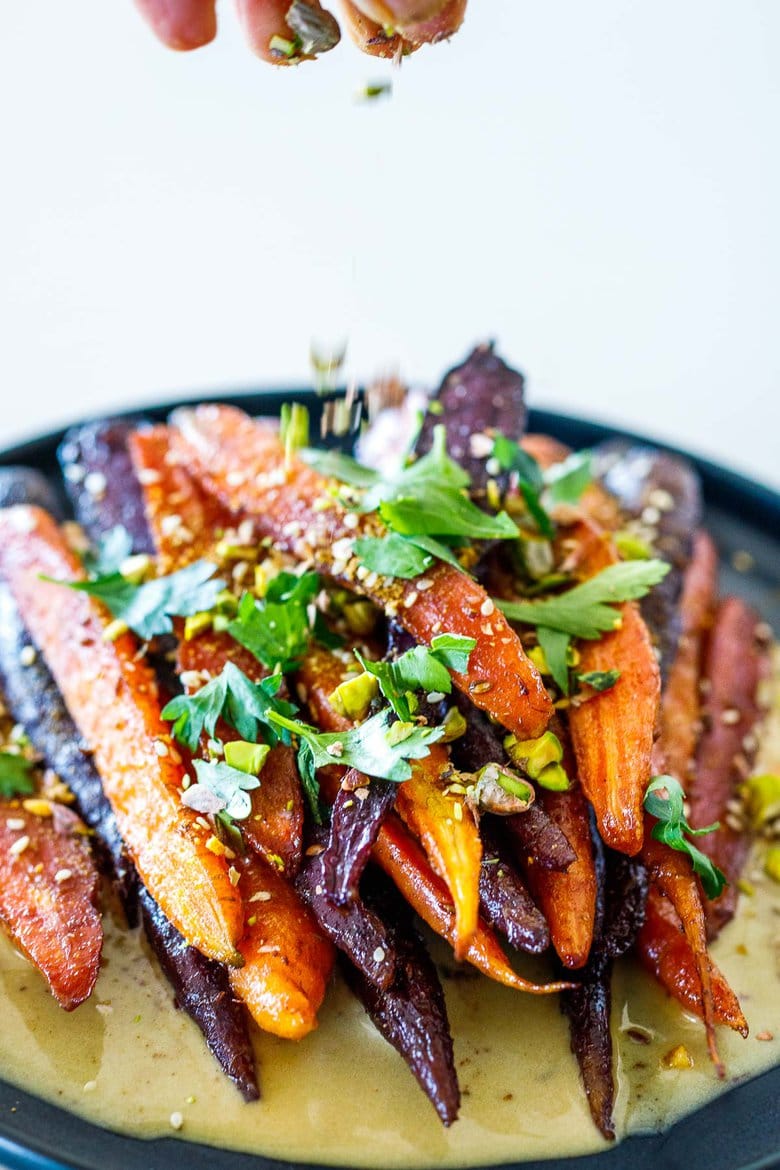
(181, 24)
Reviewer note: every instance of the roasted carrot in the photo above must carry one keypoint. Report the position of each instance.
(450, 838)
(595, 502)
(666, 952)
(287, 960)
(612, 732)
(356, 816)
(112, 696)
(736, 660)
(403, 860)
(680, 699)
(567, 898)
(275, 827)
(242, 462)
(49, 898)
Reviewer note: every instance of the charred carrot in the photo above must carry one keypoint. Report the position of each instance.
(242, 462)
(736, 660)
(287, 960)
(567, 897)
(359, 810)
(666, 952)
(504, 900)
(403, 860)
(612, 733)
(112, 697)
(680, 700)
(49, 898)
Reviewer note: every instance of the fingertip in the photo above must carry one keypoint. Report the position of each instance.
(182, 25)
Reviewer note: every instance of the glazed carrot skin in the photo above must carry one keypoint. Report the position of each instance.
(112, 698)
(403, 860)
(680, 701)
(612, 733)
(567, 898)
(666, 952)
(287, 960)
(274, 828)
(55, 922)
(242, 462)
(453, 846)
(736, 661)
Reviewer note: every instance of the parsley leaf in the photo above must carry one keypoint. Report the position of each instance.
(373, 747)
(555, 647)
(566, 481)
(587, 610)
(600, 680)
(110, 551)
(245, 705)
(220, 788)
(435, 509)
(419, 669)
(672, 824)
(392, 556)
(277, 629)
(341, 467)
(510, 456)
(147, 609)
(15, 776)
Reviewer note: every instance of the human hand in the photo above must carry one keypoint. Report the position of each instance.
(286, 32)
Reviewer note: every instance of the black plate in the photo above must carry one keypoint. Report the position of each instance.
(738, 1131)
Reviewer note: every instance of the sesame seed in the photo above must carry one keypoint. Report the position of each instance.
(147, 475)
(351, 520)
(315, 850)
(27, 656)
(234, 876)
(435, 696)
(492, 467)
(90, 1086)
(480, 445)
(362, 572)
(335, 749)
(650, 516)
(765, 1036)
(730, 716)
(487, 607)
(74, 472)
(480, 688)
(177, 1120)
(361, 793)
(62, 875)
(161, 749)
(457, 810)
(371, 580)
(19, 845)
(661, 499)
(16, 824)
(742, 561)
(378, 955)
(410, 599)
(95, 483)
(260, 896)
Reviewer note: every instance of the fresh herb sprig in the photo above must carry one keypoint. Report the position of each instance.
(277, 629)
(563, 483)
(672, 826)
(147, 608)
(16, 776)
(420, 669)
(220, 789)
(245, 706)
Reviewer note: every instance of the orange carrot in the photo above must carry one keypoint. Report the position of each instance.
(111, 694)
(680, 701)
(287, 960)
(612, 732)
(665, 951)
(242, 462)
(49, 898)
(568, 898)
(402, 859)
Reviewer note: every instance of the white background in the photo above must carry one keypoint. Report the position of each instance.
(595, 184)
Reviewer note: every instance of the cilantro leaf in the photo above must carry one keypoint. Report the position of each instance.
(600, 680)
(245, 705)
(555, 647)
(220, 788)
(373, 747)
(437, 548)
(147, 609)
(672, 824)
(587, 610)
(278, 628)
(392, 555)
(566, 481)
(108, 554)
(435, 509)
(419, 669)
(15, 776)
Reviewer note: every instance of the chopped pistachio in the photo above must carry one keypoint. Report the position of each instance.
(533, 755)
(454, 725)
(282, 47)
(360, 616)
(762, 798)
(354, 696)
(500, 791)
(746, 887)
(632, 547)
(316, 31)
(554, 778)
(136, 568)
(246, 757)
(196, 624)
(537, 557)
(772, 863)
(398, 732)
(678, 1058)
(539, 659)
(114, 630)
(228, 551)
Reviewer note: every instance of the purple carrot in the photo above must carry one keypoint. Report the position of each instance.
(353, 928)
(506, 903)
(481, 395)
(101, 481)
(411, 1013)
(358, 812)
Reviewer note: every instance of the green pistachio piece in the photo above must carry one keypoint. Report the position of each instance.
(354, 696)
(533, 755)
(246, 757)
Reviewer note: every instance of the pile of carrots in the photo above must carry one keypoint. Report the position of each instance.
(250, 923)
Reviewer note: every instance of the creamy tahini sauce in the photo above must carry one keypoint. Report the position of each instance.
(128, 1060)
